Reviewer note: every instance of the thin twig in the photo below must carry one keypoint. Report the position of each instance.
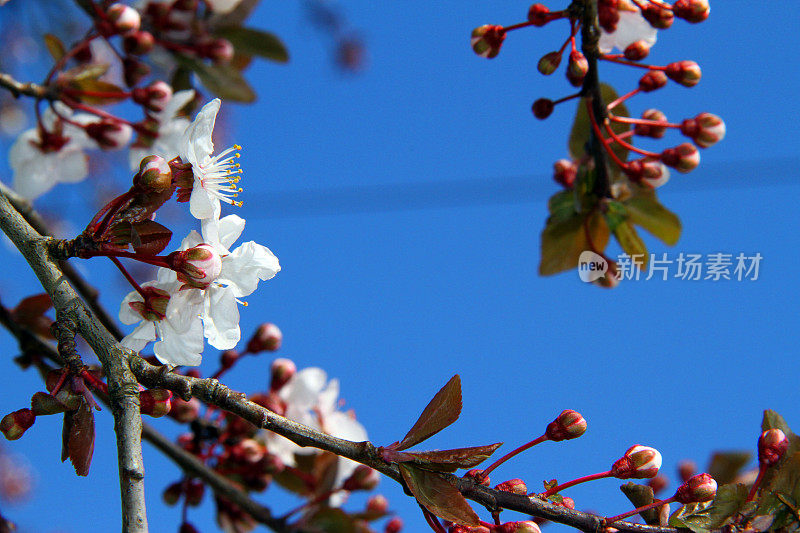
(42, 92)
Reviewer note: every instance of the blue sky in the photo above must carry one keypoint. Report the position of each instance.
(405, 205)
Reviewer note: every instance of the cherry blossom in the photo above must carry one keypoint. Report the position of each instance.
(41, 158)
(215, 177)
(172, 318)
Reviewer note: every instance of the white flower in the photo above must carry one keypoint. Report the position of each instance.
(39, 164)
(222, 6)
(240, 272)
(312, 401)
(170, 131)
(631, 27)
(175, 324)
(215, 177)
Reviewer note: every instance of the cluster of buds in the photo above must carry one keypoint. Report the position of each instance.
(524, 526)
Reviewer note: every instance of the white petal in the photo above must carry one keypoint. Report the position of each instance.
(326, 401)
(221, 318)
(180, 348)
(184, 309)
(127, 315)
(176, 103)
(191, 240)
(223, 6)
(72, 166)
(202, 205)
(138, 338)
(632, 27)
(197, 144)
(246, 265)
(230, 229)
(303, 388)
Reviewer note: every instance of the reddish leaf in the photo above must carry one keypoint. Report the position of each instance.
(438, 495)
(30, 313)
(330, 520)
(54, 46)
(149, 237)
(452, 460)
(78, 438)
(442, 411)
(46, 404)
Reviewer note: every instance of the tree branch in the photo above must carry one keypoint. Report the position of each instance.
(17, 88)
(122, 385)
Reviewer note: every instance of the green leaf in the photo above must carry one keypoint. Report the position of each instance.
(222, 80)
(330, 520)
(563, 240)
(250, 41)
(441, 411)
(616, 214)
(581, 127)
(54, 46)
(90, 71)
(725, 466)
(641, 495)
(772, 420)
(631, 243)
(645, 210)
(102, 92)
(452, 460)
(701, 517)
(780, 489)
(438, 495)
(562, 205)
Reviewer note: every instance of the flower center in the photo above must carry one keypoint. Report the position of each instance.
(219, 175)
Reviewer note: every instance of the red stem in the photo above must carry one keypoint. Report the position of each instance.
(621, 99)
(644, 121)
(511, 454)
(599, 135)
(752, 494)
(639, 510)
(149, 259)
(629, 146)
(568, 484)
(615, 59)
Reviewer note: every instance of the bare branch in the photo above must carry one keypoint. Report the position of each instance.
(28, 89)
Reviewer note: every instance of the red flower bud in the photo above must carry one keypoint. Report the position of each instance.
(549, 63)
(568, 425)
(647, 171)
(155, 174)
(249, 451)
(477, 474)
(693, 11)
(652, 80)
(395, 525)
(125, 19)
(527, 526)
(516, 485)
(658, 483)
(134, 70)
(565, 172)
(686, 72)
(487, 40)
(220, 51)
(282, 371)
(15, 424)
(268, 337)
(154, 97)
(705, 129)
(228, 358)
(699, 488)
(155, 402)
(109, 134)
(639, 462)
(577, 68)
(567, 502)
(686, 469)
(194, 492)
(608, 16)
(183, 411)
(362, 478)
(637, 50)
(683, 158)
(138, 43)
(542, 108)
(172, 493)
(539, 14)
(198, 266)
(658, 17)
(772, 444)
(649, 130)
(378, 504)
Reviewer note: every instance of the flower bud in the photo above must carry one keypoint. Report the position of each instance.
(693, 11)
(705, 129)
(647, 171)
(154, 97)
(186, 527)
(249, 451)
(577, 68)
(220, 51)
(362, 478)
(487, 40)
(281, 370)
(125, 19)
(568, 425)
(138, 43)
(109, 134)
(699, 488)
(608, 16)
(639, 462)
(155, 402)
(268, 337)
(198, 266)
(15, 424)
(549, 63)
(172, 493)
(565, 172)
(378, 504)
(527, 526)
(228, 358)
(658, 17)
(652, 80)
(686, 72)
(650, 130)
(194, 492)
(686, 469)
(683, 158)
(395, 525)
(658, 483)
(516, 485)
(68, 397)
(637, 50)
(567, 502)
(772, 444)
(539, 14)
(155, 174)
(542, 108)
(134, 70)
